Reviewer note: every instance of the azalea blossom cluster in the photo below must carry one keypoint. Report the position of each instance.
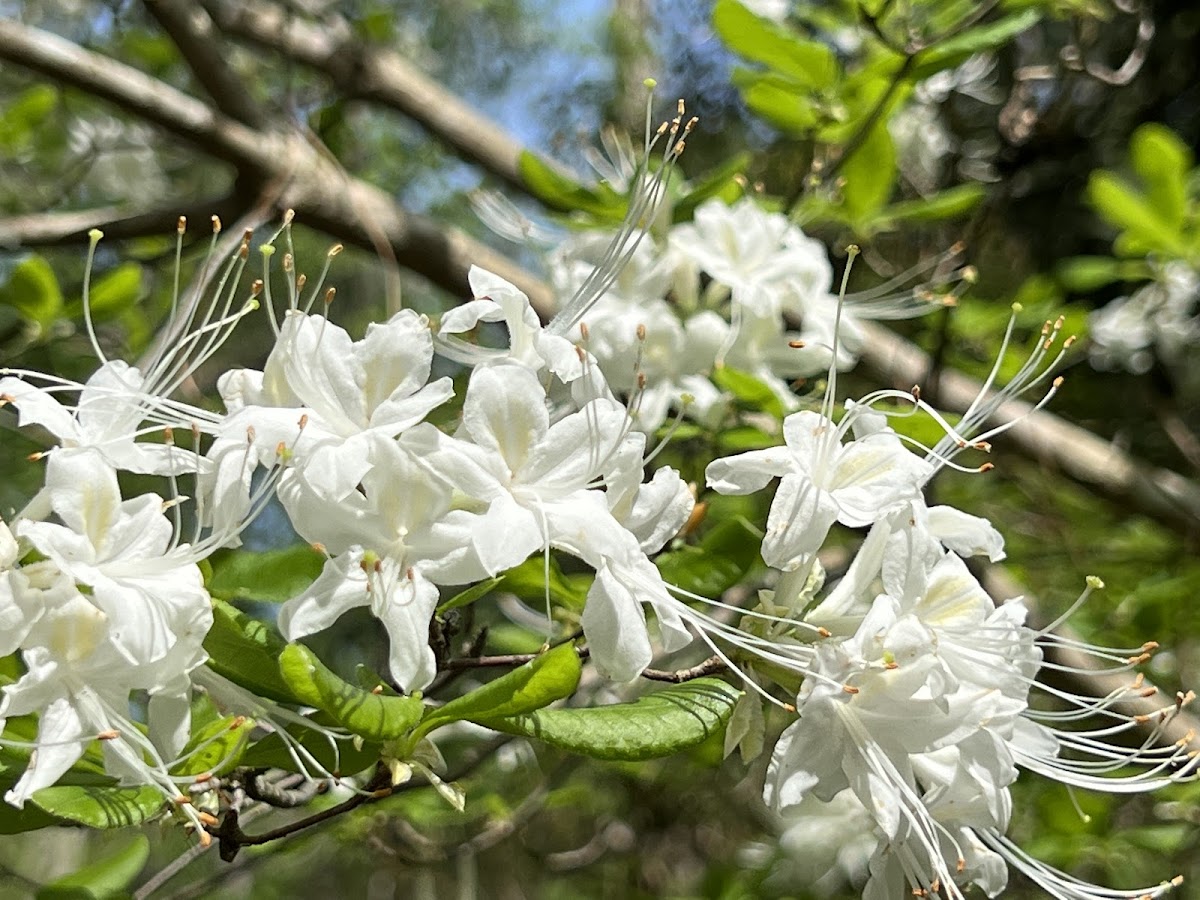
(914, 713)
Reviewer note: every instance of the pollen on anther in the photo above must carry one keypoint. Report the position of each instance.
(824, 632)
(111, 735)
(216, 224)
(329, 295)
(850, 689)
(797, 345)
(181, 225)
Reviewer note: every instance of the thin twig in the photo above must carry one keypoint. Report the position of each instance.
(710, 666)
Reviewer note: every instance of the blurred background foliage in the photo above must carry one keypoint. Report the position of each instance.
(1055, 138)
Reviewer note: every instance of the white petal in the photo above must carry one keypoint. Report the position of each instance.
(505, 411)
(341, 586)
(405, 612)
(748, 472)
(615, 626)
(800, 518)
(965, 534)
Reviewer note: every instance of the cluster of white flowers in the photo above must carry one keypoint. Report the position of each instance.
(1157, 321)
(914, 712)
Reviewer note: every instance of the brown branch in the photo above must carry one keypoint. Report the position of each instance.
(284, 165)
(117, 223)
(710, 666)
(1090, 460)
(382, 76)
(507, 659)
(231, 838)
(191, 30)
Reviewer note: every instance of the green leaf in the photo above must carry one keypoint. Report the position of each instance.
(528, 581)
(777, 101)
(115, 291)
(947, 204)
(722, 558)
(372, 716)
(215, 747)
(1084, 274)
(271, 576)
(549, 676)
(338, 757)
(100, 806)
(471, 594)
(107, 877)
(869, 174)
(16, 821)
(246, 651)
(559, 192)
(953, 51)
(1129, 210)
(810, 63)
(748, 391)
(22, 117)
(745, 437)
(32, 289)
(670, 720)
(1162, 161)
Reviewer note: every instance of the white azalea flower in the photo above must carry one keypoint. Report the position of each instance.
(538, 484)
(347, 392)
(822, 481)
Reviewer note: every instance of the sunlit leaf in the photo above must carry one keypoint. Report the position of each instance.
(549, 676)
(373, 716)
(675, 718)
(270, 576)
(104, 878)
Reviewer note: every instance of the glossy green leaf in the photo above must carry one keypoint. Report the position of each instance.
(1130, 211)
(777, 101)
(471, 594)
(271, 576)
(528, 581)
(725, 554)
(32, 289)
(115, 291)
(1083, 274)
(549, 676)
(27, 112)
(869, 174)
(675, 718)
(1162, 161)
(559, 192)
(748, 391)
(16, 821)
(373, 716)
(810, 63)
(947, 204)
(215, 747)
(104, 878)
(100, 806)
(246, 651)
(339, 757)
(956, 50)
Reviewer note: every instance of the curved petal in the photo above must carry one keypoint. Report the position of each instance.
(394, 357)
(341, 586)
(615, 625)
(405, 611)
(505, 411)
(748, 472)
(800, 518)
